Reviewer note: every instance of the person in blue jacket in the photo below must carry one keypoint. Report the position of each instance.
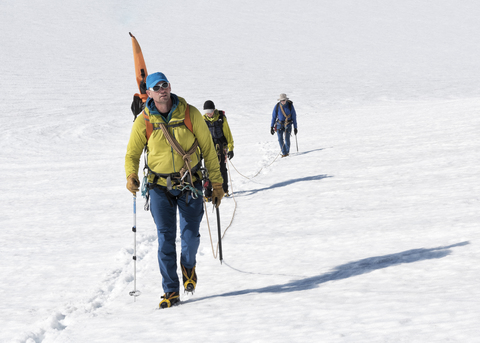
(283, 117)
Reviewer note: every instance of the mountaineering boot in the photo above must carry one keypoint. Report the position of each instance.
(189, 279)
(169, 299)
(227, 195)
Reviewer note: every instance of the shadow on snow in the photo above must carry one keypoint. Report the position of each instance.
(307, 152)
(282, 184)
(348, 270)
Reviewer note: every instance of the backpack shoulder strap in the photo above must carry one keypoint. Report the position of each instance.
(286, 116)
(148, 125)
(276, 110)
(187, 121)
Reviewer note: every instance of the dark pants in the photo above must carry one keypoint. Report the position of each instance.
(282, 133)
(165, 217)
(223, 170)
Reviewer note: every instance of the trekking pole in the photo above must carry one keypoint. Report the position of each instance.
(134, 293)
(219, 235)
(296, 141)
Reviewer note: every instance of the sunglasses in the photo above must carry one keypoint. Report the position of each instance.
(163, 85)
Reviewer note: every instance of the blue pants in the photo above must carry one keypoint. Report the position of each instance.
(284, 144)
(165, 217)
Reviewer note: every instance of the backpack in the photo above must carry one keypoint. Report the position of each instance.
(282, 124)
(216, 129)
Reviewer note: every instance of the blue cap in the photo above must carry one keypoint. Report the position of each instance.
(155, 78)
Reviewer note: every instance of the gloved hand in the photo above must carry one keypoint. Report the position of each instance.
(217, 193)
(272, 131)
(295, 131)
(230, 155)
(133, 183)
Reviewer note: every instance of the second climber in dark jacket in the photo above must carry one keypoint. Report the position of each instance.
(222, 139)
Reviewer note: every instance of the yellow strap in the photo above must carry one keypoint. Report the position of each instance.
(165, 300)
(286, 117)
(189, 278)
(179, 150)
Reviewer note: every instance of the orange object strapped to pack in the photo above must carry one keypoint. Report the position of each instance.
(141, 76)
(140, 69)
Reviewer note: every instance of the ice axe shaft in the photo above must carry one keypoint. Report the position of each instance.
(219, 235)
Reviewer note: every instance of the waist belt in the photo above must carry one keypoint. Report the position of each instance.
(176, 178)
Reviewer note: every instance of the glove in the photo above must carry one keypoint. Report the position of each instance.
(272, 131)
(132, 183)
(230, 155)
(217, 193)
(295, 131)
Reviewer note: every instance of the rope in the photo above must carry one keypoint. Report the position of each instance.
(209, 231)
(179, 150)
(268, 165)
(234, 200)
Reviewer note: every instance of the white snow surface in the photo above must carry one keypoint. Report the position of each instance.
(369, 232)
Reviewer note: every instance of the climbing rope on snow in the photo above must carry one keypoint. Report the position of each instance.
(268, 165)
(215, 254)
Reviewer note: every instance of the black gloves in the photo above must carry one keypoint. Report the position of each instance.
(295, 131)
(230, 155)
(272, 131)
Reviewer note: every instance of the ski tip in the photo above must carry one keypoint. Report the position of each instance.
(131, 35)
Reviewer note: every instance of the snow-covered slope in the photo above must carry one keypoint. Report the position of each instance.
(367, 233)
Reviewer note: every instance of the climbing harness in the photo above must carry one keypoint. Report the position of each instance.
(182, 180)
(283, 123)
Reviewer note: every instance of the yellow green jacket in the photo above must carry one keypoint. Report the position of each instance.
(225, 127)
(161, 158)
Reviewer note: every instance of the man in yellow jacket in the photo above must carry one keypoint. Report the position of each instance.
(173, 180)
